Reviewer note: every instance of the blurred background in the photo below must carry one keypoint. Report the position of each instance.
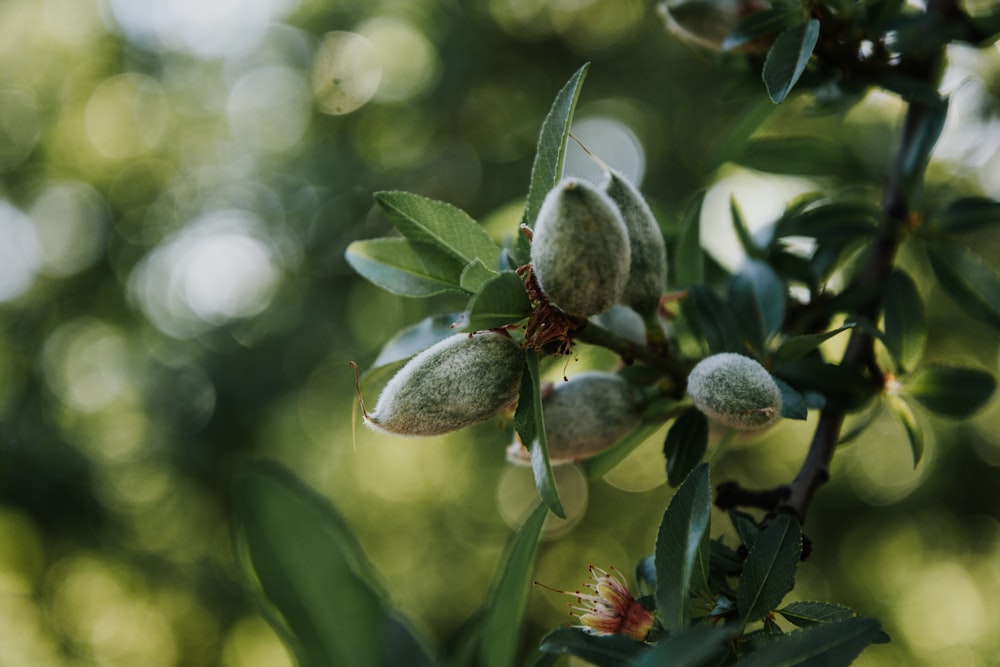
(178, 182)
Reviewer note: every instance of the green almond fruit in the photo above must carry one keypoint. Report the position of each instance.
(735, 391)
(461, 381)
(580, 249)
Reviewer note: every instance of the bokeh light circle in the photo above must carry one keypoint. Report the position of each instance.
(20, 252)
(346, 73)
(517, 496)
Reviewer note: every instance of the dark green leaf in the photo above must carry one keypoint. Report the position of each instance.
(677, 542)
(301, 550)
(914, 433)
(968, 280)
(827, 645)
(831, 221)
(645, 574)
(439, 224)
(404, 268)
(475, 275)
(761, 24)
(801, 156)
(799, 346)
(922, 131)
(949, 391)
(691, 647)
(788, 57)
(844, 388)
(505, 609)
(550, 154)
(599, 650)
(905, 324)
(502, 300)
(805, 614)
(768, 290)
(530, 425)
(966, 215)
(407, 342)
(689, 260)
(793, 406)
(769, 570)
(685, 445)
(715, 319)
(746, 527)
(743, 232)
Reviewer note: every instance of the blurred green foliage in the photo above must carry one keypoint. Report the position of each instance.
(174, 209)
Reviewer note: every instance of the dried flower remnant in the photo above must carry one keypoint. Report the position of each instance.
(609, 608)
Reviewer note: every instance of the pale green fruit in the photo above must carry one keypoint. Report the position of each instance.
(462, 380)
(735, 391)
(585, 416)
(648, 268)
(580, 250)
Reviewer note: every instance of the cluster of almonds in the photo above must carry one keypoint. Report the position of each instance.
(592, 248)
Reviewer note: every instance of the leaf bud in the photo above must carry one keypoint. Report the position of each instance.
(735, 391)
(648, 268)
(580, 250)
(584, 416)
(461, 381)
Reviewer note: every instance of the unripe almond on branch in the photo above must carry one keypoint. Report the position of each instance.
(463, 380)
(580, 250)
(584, 416)
(648, 268)
(735, 391)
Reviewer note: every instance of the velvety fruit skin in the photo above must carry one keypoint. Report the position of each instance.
(585, 416)
(460, 381)
(580, 250)
(736, 391)
(648, 268)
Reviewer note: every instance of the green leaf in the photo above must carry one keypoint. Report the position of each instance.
(760, 24)
(799, 346)
(844, 388)
(301, 550)
(685, 445)
(806, 614)
(801, 156)
(922, 131)
(677, 543)
(905, 324)
(788, 57)
(475, 275)
(716, 319)
(404, 268)
(550, 154)
(793, 406)
(505, 609)
(966, 215)
(746, 527)
(441, 225)
(500, 301)
(529, 423)
(969, 281)
(743, 232)
(827, 645)
(691, 647)
(758, 296)
(949, 391)
(769, 569)
(413, 339)
(689, 260)
(914, 433)
(599, 650)
(831, 221)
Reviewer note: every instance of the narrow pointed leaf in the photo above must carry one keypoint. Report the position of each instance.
(769, 570)
(914, 434)
(827, 645)
(743, 232)
(685, 445)
(788, 57)
(689, 262)
(716, 319)
(968, 280)
(677, 543)
(300, 550)
(905, 323)
(692, 647)
(599, 650)
(404, 268)
(439, 224)
(799, 346)
(501, 301)
(805, 614)
(505, 609)
(950, 391)
(746, 528)
(967, 215)
(530, 425)
(550, 154)
(793, 406)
